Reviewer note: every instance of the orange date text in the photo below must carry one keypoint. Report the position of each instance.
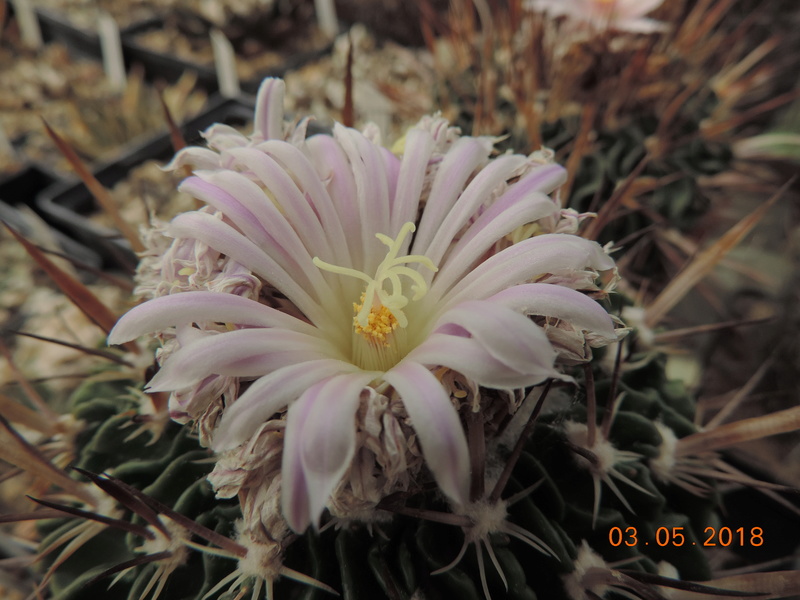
(675, 536)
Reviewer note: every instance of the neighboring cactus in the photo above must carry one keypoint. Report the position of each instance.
(644, 112)
(549, 529)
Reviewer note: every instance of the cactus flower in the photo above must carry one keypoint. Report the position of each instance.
(622, 15)
(382, 273)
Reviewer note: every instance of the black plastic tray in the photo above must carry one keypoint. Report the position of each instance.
(158, 66)
(21, 189)
(169, 68)
(57, 28)
(67, 204)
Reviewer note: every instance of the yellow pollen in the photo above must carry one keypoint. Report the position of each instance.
(376, 301)
(380, 323)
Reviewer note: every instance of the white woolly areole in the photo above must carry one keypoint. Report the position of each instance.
(488, 517)
(589, 574)
(174, 544)
(607, 455)
(634, 316)
(663, 465)
(263, 560)
(666, 569)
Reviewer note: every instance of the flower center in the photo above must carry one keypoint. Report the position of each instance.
(380, 312)
(380, 323)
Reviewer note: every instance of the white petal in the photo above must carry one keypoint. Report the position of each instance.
(372, 192)
(270, 394)
(461, 160)
(438, 427)
(506, 335)
(502, 218)
(470, 357)
(201, 307)
(240, 353)
(268, 122)
(328, 437)
(478, 192)
(225, 239)
(418, 149)
(559, 302)
(520, 263)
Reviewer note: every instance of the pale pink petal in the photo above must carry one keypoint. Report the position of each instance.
(331, 164)
(213, 195)
(478, 192)
(289, 198)
(239, 353)
(328, 436)
(544, 178)
(318, 446)
(295, 503)
(372, 192)
(520, 263)
(623, 15)
(508, 336)
(222, 137)
(630, 8)
(554, 7)
(468, 356)
(270, 394)
(201, 307)
(392, 165)
(437, 425)
(308, 181)
(188, 404)
(466, 155)
(231, 191)
(560, 302)
(197, 158)
(268, 122)
(500, 220)
(531, 190)
(228, 241)
(418, 149)
(640, 25)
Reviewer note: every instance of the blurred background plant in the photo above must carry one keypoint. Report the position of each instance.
(671, 135)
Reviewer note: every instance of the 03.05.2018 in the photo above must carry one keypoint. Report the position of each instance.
(674, 536)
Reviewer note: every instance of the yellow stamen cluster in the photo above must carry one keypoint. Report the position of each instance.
(379, 339)
(380, 323)
(375, 297)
